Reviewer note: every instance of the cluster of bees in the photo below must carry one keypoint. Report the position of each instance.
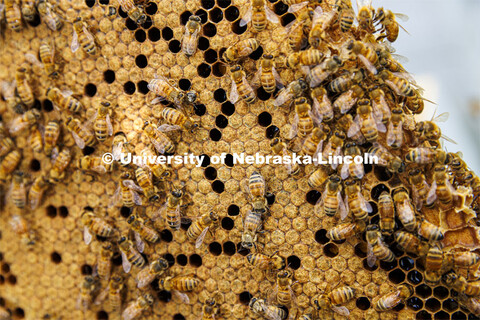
(351, 97)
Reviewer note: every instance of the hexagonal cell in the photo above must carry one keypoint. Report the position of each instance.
(423, 315)
(423, 291)
(450, 305)
(415, 303)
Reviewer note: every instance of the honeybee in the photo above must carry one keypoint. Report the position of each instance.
(102, 125)
(420, 187)
(96, 164)
(154, 270)
(143, 303)
(426, 156)
(60, 164)
(36, 140)
(312, 146)
(13, 16)
(335, 145)
(366, 122)
(95, 225)
(199, 228)
(388, 61)
(18, 192)
(87, 289)
(193, 27)
(145, 182)
(280, 148)
(346, 230)
(29, 10)
(296, 29)
(471, 303)
(331, 200)
(82, 37)
(127, 192)
(460, 284)
(399, 85)
(441, 187)
(179, 285)
(294, 90)
(429, 231)
(392, 299)
(321, 22)
(304, 121)
(411, 243)
(159, 170)
(405, 211)
(160, 141)
(114, 293)
(210, 309)
(345, 122)
(322, 106)
(136, 13)
(357, 204)
(13, 101)
(24, 90)
(326, 303)
(121, 145)
(49, 15)
(268, 75)
(166, 90)
(240, 50)
(178, 119)
(104, 261)
(64, 100)
(256, 188)
(172, 208)
(345, 81)
(348, 99)
(462, 259)
(282, 292)
(363, 52)
(347, 15)
(22, 229)
(354, 170)
(47, 58)
(365, 16)
(9, 163)
(307, 57)
(395, 130)
(28, 119)
(82, 136)
(240, 86)
(142, 231)
(376, 247)
(393, 163)
(319, 73)
(40, 184)
(258, 12)
(251, 225)
(264, 262)
(318, 177)
(130, 255)
(433, 265)
(389, 24)
(386, 212)
(271, 312)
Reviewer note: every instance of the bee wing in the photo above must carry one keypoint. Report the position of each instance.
(201, 237)
(109, 125)
(380, 126)
(88, 34)
(282, 97)
(294, 128)
(117, 150)
(247, 17)
(168, 127)
(139, 242)
(101, 296)
(87, 236)
(130, 184)
(278, 79)
(370, 67)
(271, 16)
(74, 45)
(401, 16)
(432, 195)
(354, 128)
(371, 258)
(30, 57)
(342, 208)
(136, 198)
(130, 312)
(391, 136)
(144, 277)
(182, 296)
(344, 172)
(99, 169)
(233, 93)
(79, 141)
(365, 204)
(272, 295)
(441, 117)
(125, 263)
(320, 204)
(341, 310)
(316, 108)
(115, 198)
(256, 79)
(298, 6)
(444, 137)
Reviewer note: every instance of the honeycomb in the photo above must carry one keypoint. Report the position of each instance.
(44, 280)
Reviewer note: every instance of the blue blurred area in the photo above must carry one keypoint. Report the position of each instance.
(443, 50)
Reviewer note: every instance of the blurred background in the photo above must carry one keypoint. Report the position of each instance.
(443, 49)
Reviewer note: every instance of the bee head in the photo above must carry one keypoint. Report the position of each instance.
(195, 18)
(131, 219)
(122, 240)
(268, 56)
(191, 96)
